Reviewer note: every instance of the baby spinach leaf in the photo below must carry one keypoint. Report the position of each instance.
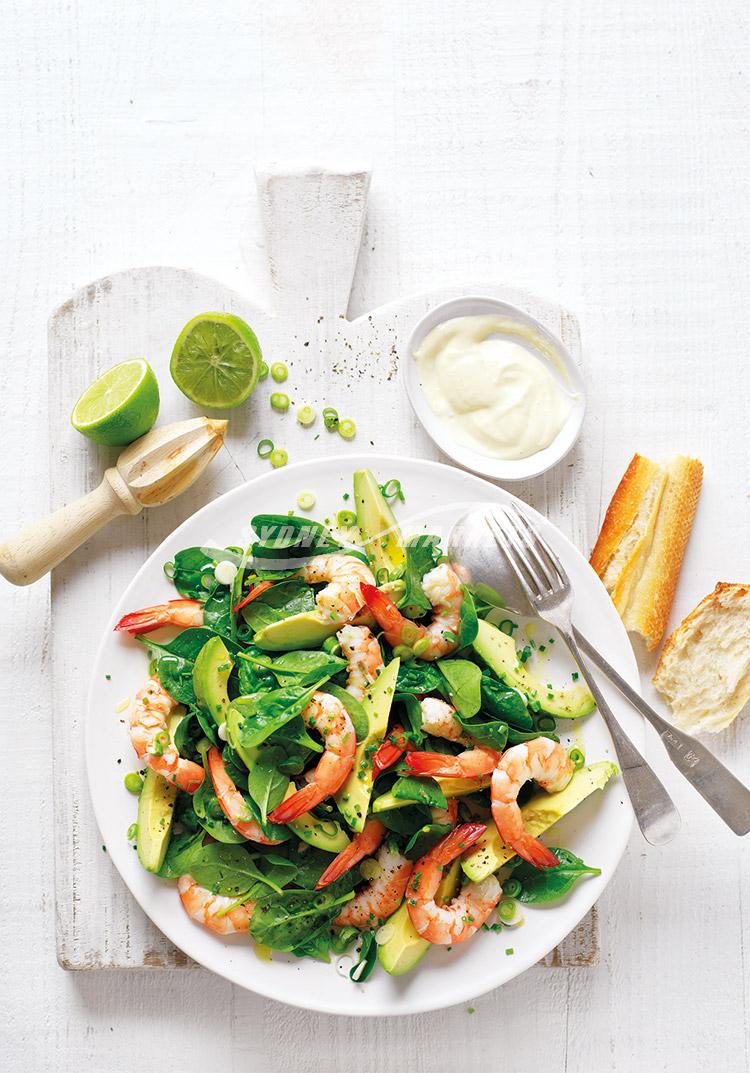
(422, 553)
(419, 677)
(290, 919)
(210, 816)
(299, 668)
(468, 626)
(280, 601)
(518, 737)
(485, 599)
(463, 679)
(217, 611)
(281, 533)
(265, 783)
(354, 707)
(180, 853)
(311, 865)
(424, 790)
(251, 676)
(489, 732)
(543, 886)
(263, 713)
(505, 703)
(175, 659)
(228, 870)
(191, 565)
(425, 838)
(413, 712)
(297, 743)
(368, 956)
(406, 821)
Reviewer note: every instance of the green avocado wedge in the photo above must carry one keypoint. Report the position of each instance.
(353, 799)
(380, 532)
(450, 787)
(404, 947)
(308, 629)
(539, 814)
(155, 818)
(498, 651)
(211, 671)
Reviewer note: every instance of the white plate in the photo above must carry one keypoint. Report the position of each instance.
(499, 469)
(436, 496)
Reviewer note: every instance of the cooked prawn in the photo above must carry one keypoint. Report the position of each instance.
(214, 911)
(548, 763)
(342, 597)
(439, 720)
(232, 803)
(361, 846)
(381, 896)
(172, 613)
(150, 737)
(464, 915)
(329, 717)
(443, 589)
(362, 653)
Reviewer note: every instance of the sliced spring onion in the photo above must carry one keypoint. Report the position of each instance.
(263, 372)
(512, 887)
(279, 372)
(305, 416)
(265, 447)
(403, 652)
(278, 458)
(421, 645)
(280, 401)
(392, 490)
(330, 418)
(306, 500)
(577, 758)
(506, 910)
(347, 429)
(132, 832)
(345, 519)
(545, 722)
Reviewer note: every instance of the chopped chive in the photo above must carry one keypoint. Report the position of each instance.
(305, 416)
(278, 458)
(279, 372)
(347, 429)
(330, 418)
(280, 401)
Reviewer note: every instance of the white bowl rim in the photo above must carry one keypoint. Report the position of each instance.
(496, 469)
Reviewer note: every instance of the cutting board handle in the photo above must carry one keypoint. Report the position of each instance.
(313, 220)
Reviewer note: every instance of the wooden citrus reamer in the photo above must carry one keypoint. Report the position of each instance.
(149, 472)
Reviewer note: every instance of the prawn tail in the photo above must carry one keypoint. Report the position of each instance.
(460, 838)
(174, 612)
(358, 848)
(386, 614)
(389, 751)
(301, 801)
(433, 764)
(189, 776)
(535, 852)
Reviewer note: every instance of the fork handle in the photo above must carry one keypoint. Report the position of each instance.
(716, 784)
(654, 809)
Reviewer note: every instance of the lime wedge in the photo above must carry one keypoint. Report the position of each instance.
(120, 406)
(216, 360)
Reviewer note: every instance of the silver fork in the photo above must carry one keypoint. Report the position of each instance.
(542, 577)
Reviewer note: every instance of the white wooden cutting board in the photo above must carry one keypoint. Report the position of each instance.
(314, 222)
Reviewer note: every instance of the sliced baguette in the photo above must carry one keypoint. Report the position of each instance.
(642, 543)
(704, 670)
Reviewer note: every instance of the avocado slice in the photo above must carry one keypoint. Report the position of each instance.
(211, 671)
(498, 651)
(155, 818)
(377, 524)
(353, 798)
(308, 629)
(405, 947)
(450, 787)
(539, 813)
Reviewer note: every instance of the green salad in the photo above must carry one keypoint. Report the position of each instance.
(343, 751)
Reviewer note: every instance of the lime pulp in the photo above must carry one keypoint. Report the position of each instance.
(120, 406)
(216, 360)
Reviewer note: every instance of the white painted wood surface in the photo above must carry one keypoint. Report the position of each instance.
(595, 153)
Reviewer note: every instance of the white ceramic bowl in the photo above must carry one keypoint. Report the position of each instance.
(496, 468)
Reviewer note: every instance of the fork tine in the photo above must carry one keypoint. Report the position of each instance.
(553, 560)
(539, 586)
(526, 535)
(510, 553)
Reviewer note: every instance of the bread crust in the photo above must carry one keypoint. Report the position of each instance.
(643, 587)
(622, 510)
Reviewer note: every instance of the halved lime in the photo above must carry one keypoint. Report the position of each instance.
(120, 406)
(216, 360)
